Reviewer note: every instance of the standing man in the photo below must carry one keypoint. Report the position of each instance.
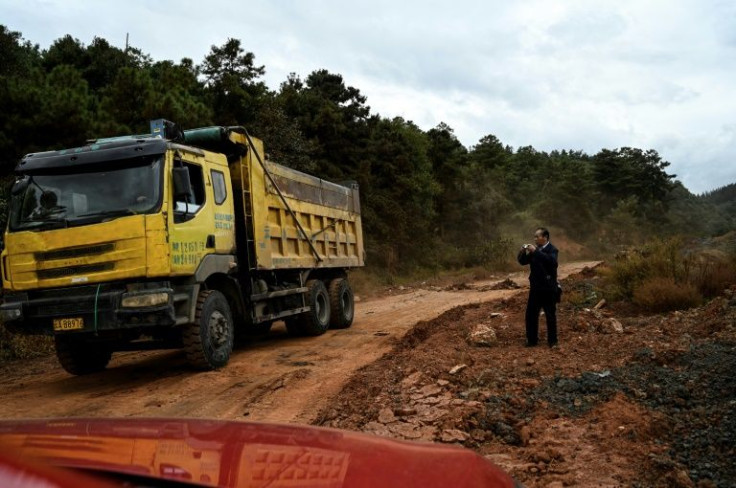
(542, 260)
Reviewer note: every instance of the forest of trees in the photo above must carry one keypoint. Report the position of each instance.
(428, 201)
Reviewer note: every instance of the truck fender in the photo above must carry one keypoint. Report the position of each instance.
(214, 263)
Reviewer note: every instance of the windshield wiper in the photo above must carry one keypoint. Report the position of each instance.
(110, 213)
(102, 216)
(52, 223)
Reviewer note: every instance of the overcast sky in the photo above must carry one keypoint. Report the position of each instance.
(570, 74)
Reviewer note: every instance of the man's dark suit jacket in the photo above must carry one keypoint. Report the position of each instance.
(542, 267)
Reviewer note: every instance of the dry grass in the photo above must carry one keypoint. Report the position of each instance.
(666, 275)
(366, 282)
(660, 294)
(711, 271)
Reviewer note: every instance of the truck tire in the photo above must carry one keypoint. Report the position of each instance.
(342, 304)
(317, 320)
(78, 357)
(208, 341)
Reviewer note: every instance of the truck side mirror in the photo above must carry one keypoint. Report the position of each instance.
(20, 185)
(182, 184)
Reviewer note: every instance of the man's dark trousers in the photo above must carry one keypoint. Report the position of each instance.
(541, 300)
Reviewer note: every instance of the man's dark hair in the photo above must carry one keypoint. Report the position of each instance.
(545, 232)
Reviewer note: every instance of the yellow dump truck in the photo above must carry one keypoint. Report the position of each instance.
(175, 239)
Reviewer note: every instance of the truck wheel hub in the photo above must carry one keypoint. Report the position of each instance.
(218, 328)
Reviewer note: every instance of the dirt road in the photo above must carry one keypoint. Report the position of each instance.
(272, 379)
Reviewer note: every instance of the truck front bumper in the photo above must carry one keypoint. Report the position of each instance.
(89, 308)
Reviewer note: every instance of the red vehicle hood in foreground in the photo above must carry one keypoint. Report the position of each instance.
(131, 452)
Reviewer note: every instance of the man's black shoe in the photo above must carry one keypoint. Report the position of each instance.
(531, 344)
(553, 345)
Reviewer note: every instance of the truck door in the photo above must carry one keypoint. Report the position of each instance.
(191, 219)
(221, 188)
(202, 220)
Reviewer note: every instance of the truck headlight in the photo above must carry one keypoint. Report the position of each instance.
(145, 300)
(10, 314)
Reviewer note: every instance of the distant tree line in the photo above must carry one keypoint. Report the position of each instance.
(428, 201)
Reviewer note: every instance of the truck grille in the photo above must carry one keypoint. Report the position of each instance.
(86, 301)
(81, 307)
(48, 274)
(74, 252)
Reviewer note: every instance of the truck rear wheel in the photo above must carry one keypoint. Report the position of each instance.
(317, 320)
(78, 357)
(208, 341)
(342, 304)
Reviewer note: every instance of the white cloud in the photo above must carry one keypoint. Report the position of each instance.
(573, 74)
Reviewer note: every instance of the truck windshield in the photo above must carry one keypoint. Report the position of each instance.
(88, 195)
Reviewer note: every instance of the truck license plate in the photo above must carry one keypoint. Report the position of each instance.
(69, 324)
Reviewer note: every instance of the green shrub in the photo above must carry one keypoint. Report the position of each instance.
(624, 275)
(496, 254)
(633, 267)
(580, 294)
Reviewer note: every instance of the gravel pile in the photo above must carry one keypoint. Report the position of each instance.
(695, 391)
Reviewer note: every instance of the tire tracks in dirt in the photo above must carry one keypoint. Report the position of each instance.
(275, 378)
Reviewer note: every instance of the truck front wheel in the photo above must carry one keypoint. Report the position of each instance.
(78, 357)
(342, 303)
(208, 341)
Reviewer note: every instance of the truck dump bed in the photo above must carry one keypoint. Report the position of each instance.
(285, 218)
(292, 219)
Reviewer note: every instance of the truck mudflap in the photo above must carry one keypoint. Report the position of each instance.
(93, 308)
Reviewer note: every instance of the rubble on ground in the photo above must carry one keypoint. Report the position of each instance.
(625, 400)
